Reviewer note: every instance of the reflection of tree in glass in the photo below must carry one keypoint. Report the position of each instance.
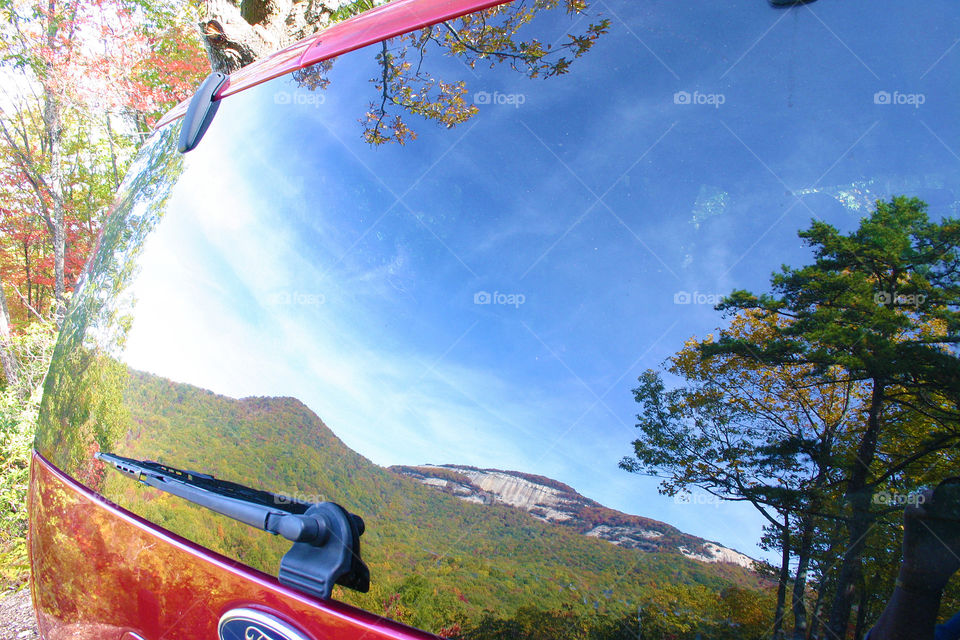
(746, 431)
(882, 305)
(85, 383)
(878, 311)
(315, 76)
(485, 37)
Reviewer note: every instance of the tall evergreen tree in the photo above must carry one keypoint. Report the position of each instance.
(882, 305)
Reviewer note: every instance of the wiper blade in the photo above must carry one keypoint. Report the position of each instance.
(161, 476)
(325, 537)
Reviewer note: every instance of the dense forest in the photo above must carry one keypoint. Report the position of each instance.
(438, 563)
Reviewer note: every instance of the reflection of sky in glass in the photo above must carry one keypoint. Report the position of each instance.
(303, 263)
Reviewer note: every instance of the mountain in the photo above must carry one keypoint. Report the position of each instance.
(557, 503)
(437, 561)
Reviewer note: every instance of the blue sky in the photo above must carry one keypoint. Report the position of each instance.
(680, 156)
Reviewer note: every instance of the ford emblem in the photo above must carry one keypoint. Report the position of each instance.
(249, 624)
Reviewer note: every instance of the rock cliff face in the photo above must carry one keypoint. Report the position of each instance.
(557, 503)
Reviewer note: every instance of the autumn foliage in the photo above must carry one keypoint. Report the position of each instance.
(88, 81)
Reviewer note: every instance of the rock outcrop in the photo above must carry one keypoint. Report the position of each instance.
(557, 503)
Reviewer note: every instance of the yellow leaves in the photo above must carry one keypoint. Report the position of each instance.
(489, 35)
(787, 395)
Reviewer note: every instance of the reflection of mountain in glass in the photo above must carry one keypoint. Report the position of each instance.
(557, 503)
(436, 561)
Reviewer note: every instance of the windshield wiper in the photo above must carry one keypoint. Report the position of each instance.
(325, 536)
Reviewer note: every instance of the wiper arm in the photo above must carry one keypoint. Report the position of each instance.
(260, 509)
(325, 537)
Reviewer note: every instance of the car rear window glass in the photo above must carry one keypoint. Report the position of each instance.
(449, 284)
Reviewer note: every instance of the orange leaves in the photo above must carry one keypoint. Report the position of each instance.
(168, 70)
(93, 75)
(102, 56)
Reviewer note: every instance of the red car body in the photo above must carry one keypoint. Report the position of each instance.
(90, 578)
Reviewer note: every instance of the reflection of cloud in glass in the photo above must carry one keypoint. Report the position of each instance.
(391, 406)
(860, 197)
(710, 202)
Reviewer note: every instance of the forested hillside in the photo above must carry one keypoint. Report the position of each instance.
(436, 562)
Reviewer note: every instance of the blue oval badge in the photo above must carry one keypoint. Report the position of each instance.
(249, 624)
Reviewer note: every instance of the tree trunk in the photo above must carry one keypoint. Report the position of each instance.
(53, 136)
(860, 629)
(59, 259)
(817, 612)
(784, 577)
(6, 355)
(859, 494)
(800, 581)
(238, 32)
(26, 270)
(113, 154)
